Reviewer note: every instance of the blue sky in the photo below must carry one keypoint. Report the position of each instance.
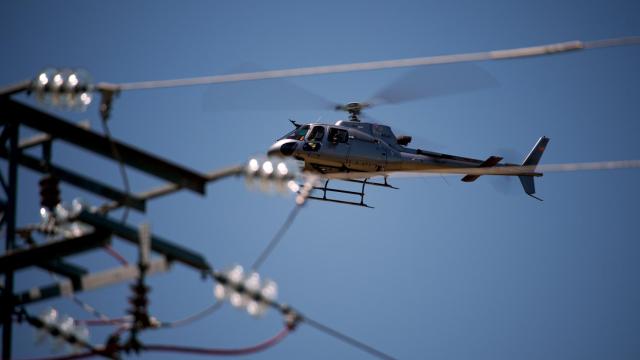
(438, 269)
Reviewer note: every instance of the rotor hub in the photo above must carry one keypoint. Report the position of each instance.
(353, 108)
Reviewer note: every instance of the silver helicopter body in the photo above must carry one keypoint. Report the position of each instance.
(353, 146)
(355, 150)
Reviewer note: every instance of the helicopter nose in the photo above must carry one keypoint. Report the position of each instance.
(282, 148)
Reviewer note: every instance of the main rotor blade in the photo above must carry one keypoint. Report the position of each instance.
(503, 170)
(429, 82)
(377, 65)
(266, 94)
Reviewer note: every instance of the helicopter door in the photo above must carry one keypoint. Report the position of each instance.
(366, 155)
(314, 142)
(337, 150)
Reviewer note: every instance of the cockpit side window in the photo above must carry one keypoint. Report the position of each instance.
(338, 135)
(298, 134)
(316, 134)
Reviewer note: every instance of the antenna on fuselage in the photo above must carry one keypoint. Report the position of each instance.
(295, 123)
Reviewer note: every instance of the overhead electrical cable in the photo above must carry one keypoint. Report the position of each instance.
(195, 317)
(209, 351)
(514, 53)
(190, 349)
(115, 254)
(121, 167)
(345, 338)
(276, 238)
(294, 317)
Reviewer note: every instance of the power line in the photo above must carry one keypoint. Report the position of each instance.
(83, 304)
(274, 340)
(123, 171)
(293, 317)
(116, 255)
(347, 339)
(209, 351)
(514, 53)
(276, 238)
(173, 324)
(105, 322)
(195, 317)
(88, 308)
(303, 194)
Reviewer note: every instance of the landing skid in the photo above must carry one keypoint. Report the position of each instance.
(326, 189)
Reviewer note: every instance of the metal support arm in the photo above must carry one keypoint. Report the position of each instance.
(44, 253)
(159, 245)
(89, 140)
(89, 282)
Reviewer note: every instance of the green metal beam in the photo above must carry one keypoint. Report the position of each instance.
(159, 245)
(44, 253)
(11, 110)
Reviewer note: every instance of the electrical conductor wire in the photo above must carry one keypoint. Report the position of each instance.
(207, 351)
(513, 53)
(195, 317)
(191, 350)
(277, 237)
(123, 171)
(347, 339)
(106, 321)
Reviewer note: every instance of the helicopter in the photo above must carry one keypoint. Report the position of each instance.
(356, 151)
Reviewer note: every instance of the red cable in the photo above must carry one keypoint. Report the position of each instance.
(204, 351)
(83, 355)
(191, 350)
(116, 255)
(107, 322)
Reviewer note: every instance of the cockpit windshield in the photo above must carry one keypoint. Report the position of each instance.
(298, 134)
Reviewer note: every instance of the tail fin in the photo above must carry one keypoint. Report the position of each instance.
(532, 160)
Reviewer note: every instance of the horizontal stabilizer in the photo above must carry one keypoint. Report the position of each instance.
(490, 162)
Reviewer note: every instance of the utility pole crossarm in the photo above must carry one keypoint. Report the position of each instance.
(11, 110)
(159, 245)
(89, 282)
(79, 180)
(50, 251)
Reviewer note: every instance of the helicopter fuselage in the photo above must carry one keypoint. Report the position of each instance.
(354, 146)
